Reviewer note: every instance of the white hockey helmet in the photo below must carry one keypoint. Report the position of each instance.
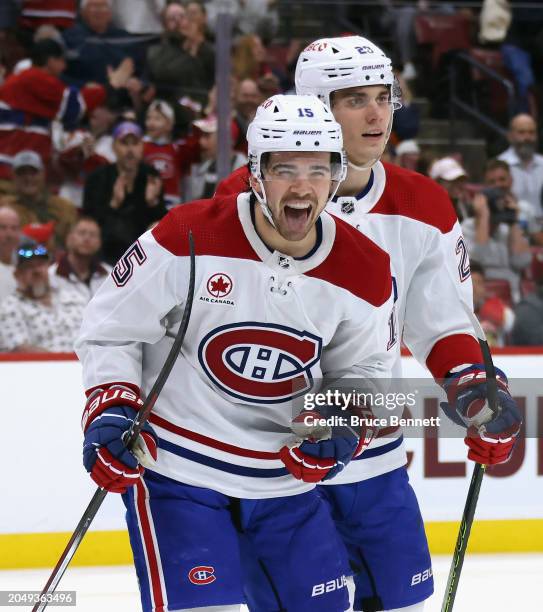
(329, 64)
(294, 123)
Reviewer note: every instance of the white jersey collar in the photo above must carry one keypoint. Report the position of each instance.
(281, 263)
(364, 201)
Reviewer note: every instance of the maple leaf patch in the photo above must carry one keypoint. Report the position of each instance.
(219, 285)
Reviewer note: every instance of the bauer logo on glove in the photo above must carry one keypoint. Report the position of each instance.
(490, 437)
(105, 456)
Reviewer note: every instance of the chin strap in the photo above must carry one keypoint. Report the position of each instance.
(263, 204)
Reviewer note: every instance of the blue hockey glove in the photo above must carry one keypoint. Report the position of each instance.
(490, 437)
(108, 416)
(323, 450)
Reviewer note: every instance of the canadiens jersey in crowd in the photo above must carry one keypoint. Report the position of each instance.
(172, 161)
(262, 324)
(410, 217)
(29, 102)
(59, 13)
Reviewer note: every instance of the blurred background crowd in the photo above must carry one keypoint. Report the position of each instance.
(108, 118)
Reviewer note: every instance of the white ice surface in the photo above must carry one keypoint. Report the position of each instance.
(500, 583)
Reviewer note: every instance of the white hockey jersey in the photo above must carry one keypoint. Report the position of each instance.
(263, 327)
(412, 219)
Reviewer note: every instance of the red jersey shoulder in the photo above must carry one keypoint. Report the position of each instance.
(417, 197)
(215, 227)
(356, 264)
(234, 183)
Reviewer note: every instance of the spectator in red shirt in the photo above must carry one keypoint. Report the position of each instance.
(34, 98)
(161, 152)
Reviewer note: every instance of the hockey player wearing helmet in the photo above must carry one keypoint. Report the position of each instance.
(273, 311)
(297, 163)
(413, 220)
(411, 217)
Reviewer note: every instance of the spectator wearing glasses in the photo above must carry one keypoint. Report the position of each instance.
(38, 317)
(10, 228)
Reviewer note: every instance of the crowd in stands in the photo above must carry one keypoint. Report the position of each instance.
(108, 118)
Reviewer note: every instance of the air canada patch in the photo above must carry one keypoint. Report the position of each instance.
(219, 286)
(260, 363)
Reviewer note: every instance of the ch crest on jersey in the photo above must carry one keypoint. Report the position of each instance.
(260, 363)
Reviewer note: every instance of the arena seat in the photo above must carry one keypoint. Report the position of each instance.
(499, 287)
(443, 33)
(495, 92)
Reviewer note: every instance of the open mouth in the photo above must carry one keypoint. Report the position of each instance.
(372, 135)
(297, 215)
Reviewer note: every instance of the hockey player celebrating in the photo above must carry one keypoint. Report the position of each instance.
(275, 308)
(410, 217)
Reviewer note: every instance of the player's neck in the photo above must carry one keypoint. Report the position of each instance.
(355, 182)
(273, 239)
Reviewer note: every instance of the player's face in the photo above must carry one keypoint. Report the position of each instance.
(297, 187)
(364, 114)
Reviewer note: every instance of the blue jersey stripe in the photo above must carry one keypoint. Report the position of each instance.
(380, 450)
(19, 118)
(240, 470)
(73, 107)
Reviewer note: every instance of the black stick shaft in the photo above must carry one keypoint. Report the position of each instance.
(476, 479)
(133, 433)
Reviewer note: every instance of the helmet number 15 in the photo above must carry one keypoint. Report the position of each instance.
(305, 112)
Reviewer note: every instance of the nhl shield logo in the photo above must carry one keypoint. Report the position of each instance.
(347, 205)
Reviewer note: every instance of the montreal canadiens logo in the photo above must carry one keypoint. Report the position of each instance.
(219, 285)
(202, 574)
(260, 363)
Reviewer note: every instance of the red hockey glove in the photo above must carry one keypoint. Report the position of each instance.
(490, 437)
(322, 451)
(107, 417)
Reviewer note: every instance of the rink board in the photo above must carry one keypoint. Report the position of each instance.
(45, 488)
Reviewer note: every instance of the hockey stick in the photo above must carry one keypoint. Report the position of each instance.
(130, 440)
(476, 478)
